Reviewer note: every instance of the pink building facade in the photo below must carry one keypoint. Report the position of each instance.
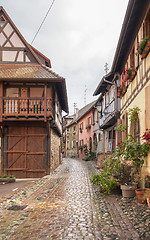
(85, 133)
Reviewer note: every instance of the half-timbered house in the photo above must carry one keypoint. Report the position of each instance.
(132, 62)
(32, 98)
(109, 112)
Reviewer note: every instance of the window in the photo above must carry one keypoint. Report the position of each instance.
(12, 92)
(36, 92)
(89, 121)
(81, 126)
(68, 144)
(132, 58)
(81, 142)
(2, 21)
(107, 98)
(99, 137)
(74, 143)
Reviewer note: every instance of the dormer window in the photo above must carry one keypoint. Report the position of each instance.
(2, 21)
(46, 64)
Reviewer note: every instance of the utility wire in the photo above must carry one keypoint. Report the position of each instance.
(43, 21)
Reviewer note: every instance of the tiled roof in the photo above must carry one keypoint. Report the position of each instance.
(85, 110)
(22, 71)
(82, 112)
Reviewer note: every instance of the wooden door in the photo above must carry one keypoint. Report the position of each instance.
(25, 152)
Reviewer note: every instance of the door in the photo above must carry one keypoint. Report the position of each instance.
(25, 152)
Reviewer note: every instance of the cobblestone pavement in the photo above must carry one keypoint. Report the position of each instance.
(64, 205)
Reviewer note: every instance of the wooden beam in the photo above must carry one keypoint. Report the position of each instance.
(45, 102)
(147, 107)
(48, 129)
(1, 101)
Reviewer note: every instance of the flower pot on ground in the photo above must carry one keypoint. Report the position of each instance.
(147, 196)
(128, 191)
(140, 193)
(131, 155)
(148, 201)
(7, 179)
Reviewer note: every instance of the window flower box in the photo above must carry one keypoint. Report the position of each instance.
(144, 47)
(130, 74)
(88, 127)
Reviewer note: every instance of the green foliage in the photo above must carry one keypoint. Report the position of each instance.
(88, 127)
(130, 70)
(5, 176)
(132, 150)
(130, 154)
(11, 176)
(106, 179)
(133, 114)
(80, 147)
(121, 128)
(142, 45)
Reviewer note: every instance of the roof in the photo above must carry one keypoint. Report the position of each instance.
(35, 73)
(82, 112)
(134, 16)
(27, 72)
(102, 85)
(42, 56)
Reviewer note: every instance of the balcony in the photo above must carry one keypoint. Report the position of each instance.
(110, 114)
(26, 108)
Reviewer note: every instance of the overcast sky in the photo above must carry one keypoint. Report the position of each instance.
(79, 37)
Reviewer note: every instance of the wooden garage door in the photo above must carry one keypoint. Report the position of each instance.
(25, 152)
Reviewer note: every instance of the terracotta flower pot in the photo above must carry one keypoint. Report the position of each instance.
(148, 201)
(128, 191)
(140, 194)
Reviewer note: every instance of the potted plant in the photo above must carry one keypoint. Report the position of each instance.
(88, 127)
(7, 179)
(106, 179)
(130, 73)
(144, 47)
(147, 196)
(141, 195)
(80, 148)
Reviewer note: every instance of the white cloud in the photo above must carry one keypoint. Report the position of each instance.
(78, 36)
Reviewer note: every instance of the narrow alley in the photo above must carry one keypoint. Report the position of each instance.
(64, 205)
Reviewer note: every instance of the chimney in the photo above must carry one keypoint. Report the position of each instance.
(77, 112)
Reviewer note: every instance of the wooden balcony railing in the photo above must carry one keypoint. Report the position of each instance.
(27, 107)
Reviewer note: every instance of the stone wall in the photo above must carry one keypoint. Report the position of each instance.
(0, 159)
(55, 151)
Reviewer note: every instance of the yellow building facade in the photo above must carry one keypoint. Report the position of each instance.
(137, 87)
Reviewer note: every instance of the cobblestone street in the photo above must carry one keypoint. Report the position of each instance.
(64, 205)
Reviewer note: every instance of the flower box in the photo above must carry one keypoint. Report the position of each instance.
(132, 76)
(7, 180)
(124, 91)
(146, 49)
